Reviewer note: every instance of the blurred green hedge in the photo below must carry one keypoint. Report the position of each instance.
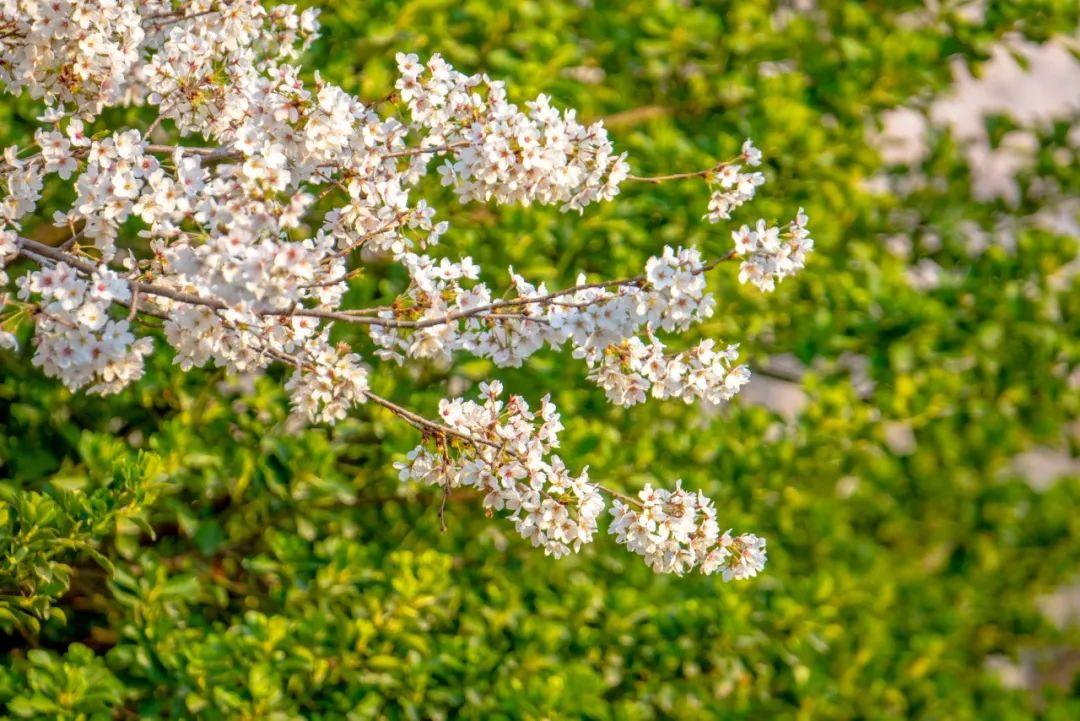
(184, 550)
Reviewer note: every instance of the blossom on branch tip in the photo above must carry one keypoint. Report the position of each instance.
(770, 254)
(676, 532)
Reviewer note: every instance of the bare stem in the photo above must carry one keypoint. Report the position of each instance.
(656, 179)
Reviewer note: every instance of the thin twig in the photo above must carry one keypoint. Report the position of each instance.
(682, 176)
(348, 317)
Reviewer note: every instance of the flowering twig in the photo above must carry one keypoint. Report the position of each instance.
(255, 196)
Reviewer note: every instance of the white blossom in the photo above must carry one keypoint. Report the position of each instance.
(263, 193)
(509, 459)
(676, 532)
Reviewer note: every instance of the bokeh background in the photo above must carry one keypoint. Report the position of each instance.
(908, 447)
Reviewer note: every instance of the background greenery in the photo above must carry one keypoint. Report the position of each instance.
(184, 550)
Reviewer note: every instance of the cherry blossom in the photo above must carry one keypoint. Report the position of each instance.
(676, 532)
(259, 189)
(769, 254)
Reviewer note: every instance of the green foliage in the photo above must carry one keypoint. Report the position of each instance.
(184, 550)
(45, 684)
(40, 532)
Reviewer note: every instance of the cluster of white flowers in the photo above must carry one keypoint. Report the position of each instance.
(257, 283)
(736, 187)
(80, 53)
(509, 156)
(629, 371)
(9, 249)
(76, 341)
(509, 458)
(770, 254)
(116, 171)
(222, 74)
(24, 181)
(504, 450)
(264, 193)
(676, 532)
(601, 326)
(328, 382)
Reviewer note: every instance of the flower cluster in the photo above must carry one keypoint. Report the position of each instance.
(8, 250)
(676, 532)
(602, 326)
(630, 370)
(73, 52)
(242, 40)
(328, 381)
(76, 340)
(24, 181)
(265, 192)
(505, 451)
(769, 254)
(736, 187)
(508, 155)
(115, 175)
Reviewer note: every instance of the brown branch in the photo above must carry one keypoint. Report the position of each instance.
(425, 424)
(226, 153)
(635, 116)
(165, 19)
(47, 251)
(31, 247)
(40, 253)
(657, 179)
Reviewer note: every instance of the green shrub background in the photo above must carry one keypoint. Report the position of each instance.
(183, 550)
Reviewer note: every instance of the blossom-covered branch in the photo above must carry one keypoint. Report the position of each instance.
(268, 189)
